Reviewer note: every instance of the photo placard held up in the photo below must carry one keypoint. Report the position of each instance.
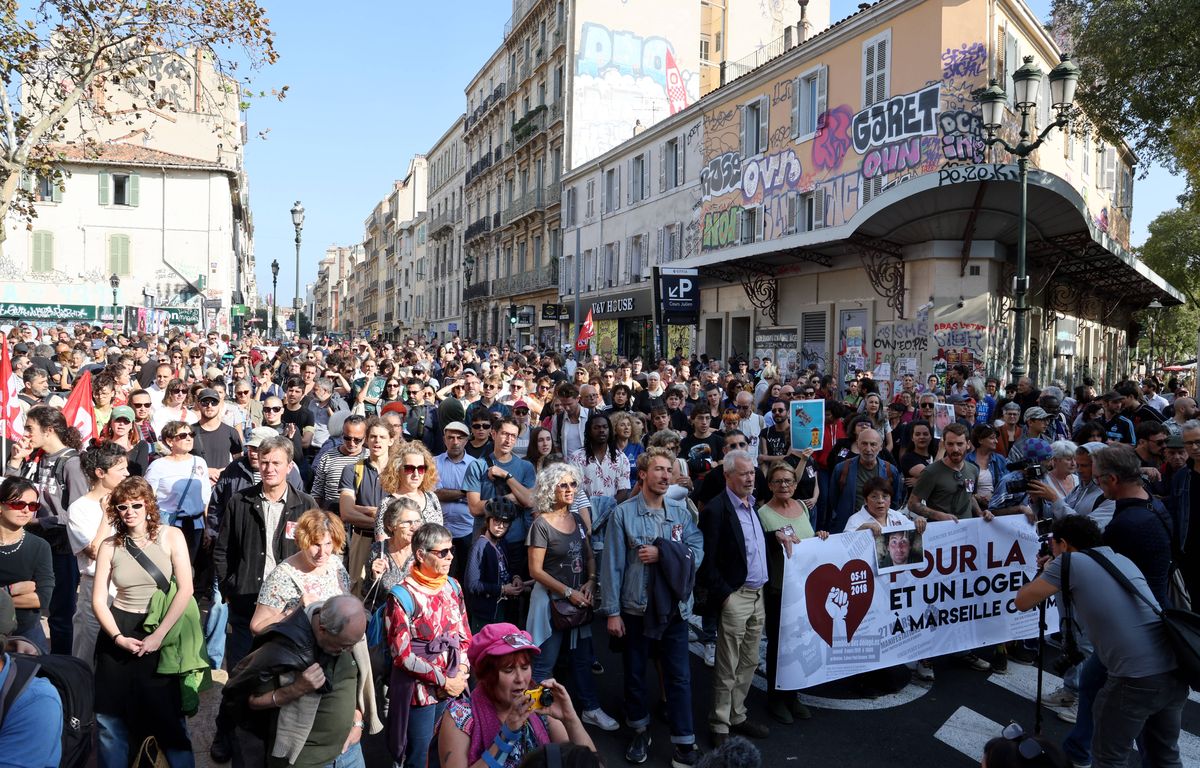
(808, 424)
(943, 416)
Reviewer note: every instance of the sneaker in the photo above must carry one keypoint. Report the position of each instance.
(599, 718)
(639, 748)
(1063, 697)
(1078, 764)
(597, 667)
(710, 654)
(1000, 664)
(684, 755)
(1019, 654)
(925, 670)
(976, 663)
(1069, 713)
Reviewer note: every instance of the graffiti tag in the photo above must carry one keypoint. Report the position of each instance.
(900, 117)
(967, 60)
(602, 49)
(772, 173)
(986, 172)
(962, 136)
(891, 158)
(722, 174)
(833, 138)
(720, 228)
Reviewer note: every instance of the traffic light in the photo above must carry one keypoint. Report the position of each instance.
(512, 314)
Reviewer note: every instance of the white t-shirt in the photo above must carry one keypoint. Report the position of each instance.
(84, 518)
(752, 427)
(182, 487)
(895, 517)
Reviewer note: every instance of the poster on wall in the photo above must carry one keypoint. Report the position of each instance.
(840, 616)
(781, 345)
(808, 424)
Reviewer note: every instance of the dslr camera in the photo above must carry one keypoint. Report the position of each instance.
(1031, 471)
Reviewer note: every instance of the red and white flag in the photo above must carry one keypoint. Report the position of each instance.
(10, 406)
(586, 331)
(676, 90)
(79, 411)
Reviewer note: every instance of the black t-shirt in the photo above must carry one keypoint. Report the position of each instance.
(772, 442)
(216, 447)
(483, 450)
(912, 459)
(714, 441)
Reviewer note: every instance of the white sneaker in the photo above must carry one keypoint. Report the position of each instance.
(599, 718)
(1069, 713)
(1062, 697)
(710, 654)
(925, 670)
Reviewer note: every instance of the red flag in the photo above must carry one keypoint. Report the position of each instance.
(586, 332)
(79, 410)
(10, 406)
(676, 90)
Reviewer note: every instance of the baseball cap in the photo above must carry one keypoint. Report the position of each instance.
(122, 412)
(1035, 413)
(499, 640)
(1037, 450)
(259, 434)
(21, 348)
(520, 404)
(395, 407)
(456, 426)
(208, 393)
(1114, 395)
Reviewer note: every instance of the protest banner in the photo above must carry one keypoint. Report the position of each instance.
(840, 617)
(808, 424)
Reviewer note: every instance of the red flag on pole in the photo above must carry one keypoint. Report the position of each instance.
(676, 90)
(586, 331)
(10, 406)
(79, 410)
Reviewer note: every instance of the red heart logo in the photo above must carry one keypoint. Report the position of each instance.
(831, 591)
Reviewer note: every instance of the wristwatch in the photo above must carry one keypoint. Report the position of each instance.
(568, 592)
(507, 476)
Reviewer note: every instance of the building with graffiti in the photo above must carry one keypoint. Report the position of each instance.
(570, 81)
(848, 200)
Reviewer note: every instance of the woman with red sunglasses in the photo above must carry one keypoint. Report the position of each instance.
(411, 473)
(26, 568)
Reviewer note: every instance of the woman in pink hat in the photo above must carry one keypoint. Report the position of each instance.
(500, 724)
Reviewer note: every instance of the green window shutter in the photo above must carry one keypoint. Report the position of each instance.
(56, 193)
(105, 184)
(118, 254)
(43, 252)
(124, 254)
(131, 193)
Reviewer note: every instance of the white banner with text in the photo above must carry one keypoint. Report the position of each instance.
(841, 616)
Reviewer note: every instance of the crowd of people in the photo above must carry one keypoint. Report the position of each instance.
(412, 538)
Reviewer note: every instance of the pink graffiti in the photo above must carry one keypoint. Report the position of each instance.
(833, 138)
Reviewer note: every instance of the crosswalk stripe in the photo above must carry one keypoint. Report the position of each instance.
(968, 732)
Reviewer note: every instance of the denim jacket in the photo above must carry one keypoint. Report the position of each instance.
(631, 525)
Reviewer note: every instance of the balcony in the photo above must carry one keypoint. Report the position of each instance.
(532, 201)
(555, 113)
(489, 101)
(527, 127)
(458, 215)
(527, 282)
(370, 317)
(526, 70)
(389, 284)
(499, 153)
(477, 291)
(558, 35)
(441, 223)
(389, 316)
(478, 228)
(477, 168)
(520, 11)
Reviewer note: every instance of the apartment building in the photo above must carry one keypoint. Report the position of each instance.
(447, 171)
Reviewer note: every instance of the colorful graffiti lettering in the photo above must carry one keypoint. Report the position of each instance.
(629, 54)
(771, 174)
(900, 117)
(833, 139)
(841, 197)
(721, 228)
(986, 172)
(722, 174)
(891, 158)
(967, 60)
(962, 136)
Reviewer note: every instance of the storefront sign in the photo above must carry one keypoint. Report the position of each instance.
(185, 316)
(679, 291)
(635, 304)
(67, 313)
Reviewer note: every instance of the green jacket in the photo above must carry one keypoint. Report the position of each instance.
(183, 651)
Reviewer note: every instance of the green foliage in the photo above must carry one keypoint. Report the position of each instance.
(1173, 251)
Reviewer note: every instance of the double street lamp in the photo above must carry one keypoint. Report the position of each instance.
(468, 268)
(115, 283)
(274, 296)
(298, 223)
(1026, 81)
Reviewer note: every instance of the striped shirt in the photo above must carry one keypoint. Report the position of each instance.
(327, 476)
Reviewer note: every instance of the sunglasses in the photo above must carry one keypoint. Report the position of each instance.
(482, 425)
(32, 506)
(441, 554)
(568, 486)
(134, 505)
(140, 405)
(182, 436)
(355, 440)
(410, 469)
(208, 401)
(272, 408)
(242, 392)
(176, 391)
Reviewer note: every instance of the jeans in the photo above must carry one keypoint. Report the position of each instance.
(421, 723)
(580, 663)
(85, 625)
(113, 750)
(62, 603)
(1128, 706)
(351, 758)
(1078, 744)
(677, 677)
(193, 533)
(237, 645)
(214, 628)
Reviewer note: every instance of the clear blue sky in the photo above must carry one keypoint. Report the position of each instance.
(373, 83)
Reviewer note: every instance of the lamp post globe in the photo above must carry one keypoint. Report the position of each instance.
(114, 281)
(274, 296)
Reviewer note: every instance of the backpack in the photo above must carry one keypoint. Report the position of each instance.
(844, 473)
(74, 681)
(377, 622)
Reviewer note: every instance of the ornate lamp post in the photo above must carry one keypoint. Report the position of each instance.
(274, 296)
(115, 283)
(298, 223)
(1026, 80)
(468, 268)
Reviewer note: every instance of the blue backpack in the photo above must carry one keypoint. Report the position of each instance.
(377, 621)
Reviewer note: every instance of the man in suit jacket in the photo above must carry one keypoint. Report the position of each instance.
(733, 574)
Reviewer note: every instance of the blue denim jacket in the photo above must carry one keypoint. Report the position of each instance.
(622, 574)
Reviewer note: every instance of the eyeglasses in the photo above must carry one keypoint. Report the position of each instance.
(134, 505)
(409, 522)
(1159, 443)
(490, 386)
(568, 486)
(410, 469)
(139, 405)
(182, 436)
(441, 554)
(32, 506)
(242, 392)
(176, 391)
(927, 405)
(780, 411)
(355, 440)
(738, 446)
(783, 481)
(481, 425)
(272, 408)
(1029, 747)
(208, 401)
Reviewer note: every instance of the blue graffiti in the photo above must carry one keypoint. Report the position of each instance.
(602, 49)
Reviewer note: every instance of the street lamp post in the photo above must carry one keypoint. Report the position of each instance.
(115, 283)
(274, 296)
(1026, 80)
(1155, 305)
(468, 268)
(298, 223)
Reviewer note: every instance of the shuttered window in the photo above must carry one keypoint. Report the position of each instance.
(118, 255)
(42, 256)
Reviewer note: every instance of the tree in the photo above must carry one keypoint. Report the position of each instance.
(1173, 251)
(1139, 74)
(63, 59)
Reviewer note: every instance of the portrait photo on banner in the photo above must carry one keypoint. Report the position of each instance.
(898, 548)
(943, 416)
(808, 424)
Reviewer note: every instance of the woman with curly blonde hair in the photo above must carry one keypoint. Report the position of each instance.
(627, 430)
(133, 701)
(411, 473)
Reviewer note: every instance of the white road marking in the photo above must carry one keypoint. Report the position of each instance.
(968, 732)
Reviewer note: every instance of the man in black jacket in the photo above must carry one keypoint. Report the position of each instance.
(733, 573)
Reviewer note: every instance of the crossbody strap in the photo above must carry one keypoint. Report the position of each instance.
(1122, 579)
(148, 565)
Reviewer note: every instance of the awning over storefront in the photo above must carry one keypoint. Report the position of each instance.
(1071, 257)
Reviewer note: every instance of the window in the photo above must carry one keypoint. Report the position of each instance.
(670, 244)
(522, 266)
(570, 212)
(876, 68)
(612, 190)
(610, 265)
(1087, 155)
(590, 211)
(704, 44)
(119, 189)
(637, 261)
(42, 257)
(118, 255)
(807, 211)
(754, 126)
(748, 225)
(639, 177)
(809, 96)
(670, 165)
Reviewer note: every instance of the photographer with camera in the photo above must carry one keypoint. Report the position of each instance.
(1012, 496)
